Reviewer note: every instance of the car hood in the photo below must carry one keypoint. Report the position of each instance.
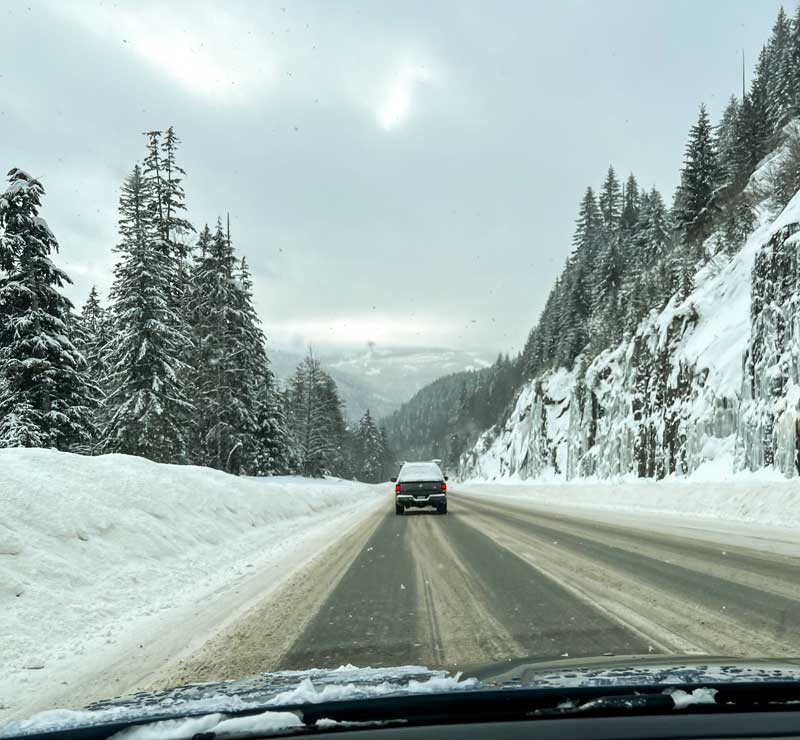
(278, 690)
(638, 670)
(267, 690)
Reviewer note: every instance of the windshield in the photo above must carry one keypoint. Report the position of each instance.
(420, 471)
(423, 342)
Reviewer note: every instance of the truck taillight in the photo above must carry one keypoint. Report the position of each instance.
(397, 488)
(444, 486)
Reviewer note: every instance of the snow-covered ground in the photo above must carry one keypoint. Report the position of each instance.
(757, 510)
(97, 553)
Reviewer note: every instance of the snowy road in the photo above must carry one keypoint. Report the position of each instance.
(496, 580)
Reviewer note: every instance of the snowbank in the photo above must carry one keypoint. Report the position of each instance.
(90, 547)
(763, 499)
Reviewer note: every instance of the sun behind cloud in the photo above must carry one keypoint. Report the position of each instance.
(396, 106)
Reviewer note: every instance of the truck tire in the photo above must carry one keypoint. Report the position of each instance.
(398, 510)
(443, 509)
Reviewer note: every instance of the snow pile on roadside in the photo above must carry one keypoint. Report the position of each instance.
(751, 498)
(91, 546)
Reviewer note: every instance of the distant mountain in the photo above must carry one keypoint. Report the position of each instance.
(381, 379)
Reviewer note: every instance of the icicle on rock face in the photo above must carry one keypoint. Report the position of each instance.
(769, 414)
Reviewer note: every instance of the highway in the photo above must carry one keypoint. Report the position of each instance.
(495, 582)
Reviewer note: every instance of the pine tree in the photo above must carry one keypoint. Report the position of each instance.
(779, 65)
(197, 354)
(252, 364)
(575, 300)
(389, 461)
(369, 450)
(229, 358)
(725, 142)
(588, 228)
(654, 240)
(147, 401)
(153, 185)
(273, 454)
(760, 101)
(175, 229)
(607, 279)
(610, 203)
(699, 179)
(163, 177)
(631, 204)
(46, 399)
(792, 72)
(94, 333)
(314, 415)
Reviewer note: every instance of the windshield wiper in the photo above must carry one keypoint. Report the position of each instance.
(638, 702)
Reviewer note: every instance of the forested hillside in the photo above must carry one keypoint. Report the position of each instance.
(671, 336)
(445, 418)
(175, 367)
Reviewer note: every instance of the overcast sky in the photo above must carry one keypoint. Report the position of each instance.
(402, 172)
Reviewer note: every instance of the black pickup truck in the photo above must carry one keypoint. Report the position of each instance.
(420, 484)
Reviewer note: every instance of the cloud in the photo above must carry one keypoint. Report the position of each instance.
(396, 106)
(356, 330)
(211, 53)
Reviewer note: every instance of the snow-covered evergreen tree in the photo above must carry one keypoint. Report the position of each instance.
(725, 141)
(792, 71)
(389, 462)
(631, 205)
(46, 398)
(606, 321)
(93, 335)
(779, 83)
(610, 203)
(196, 355)
(164, 177)
(752, 133)
(229, 358)
(152, 177)
(252, 365)
(175, 229)
(575, 301)
(147, 402)
(653, 233)
(273, 454)
(699, 180)
(314, 415)
(369, 450)
(95, 330)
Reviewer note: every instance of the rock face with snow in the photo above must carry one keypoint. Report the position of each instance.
(715, 375)
(769, 414)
